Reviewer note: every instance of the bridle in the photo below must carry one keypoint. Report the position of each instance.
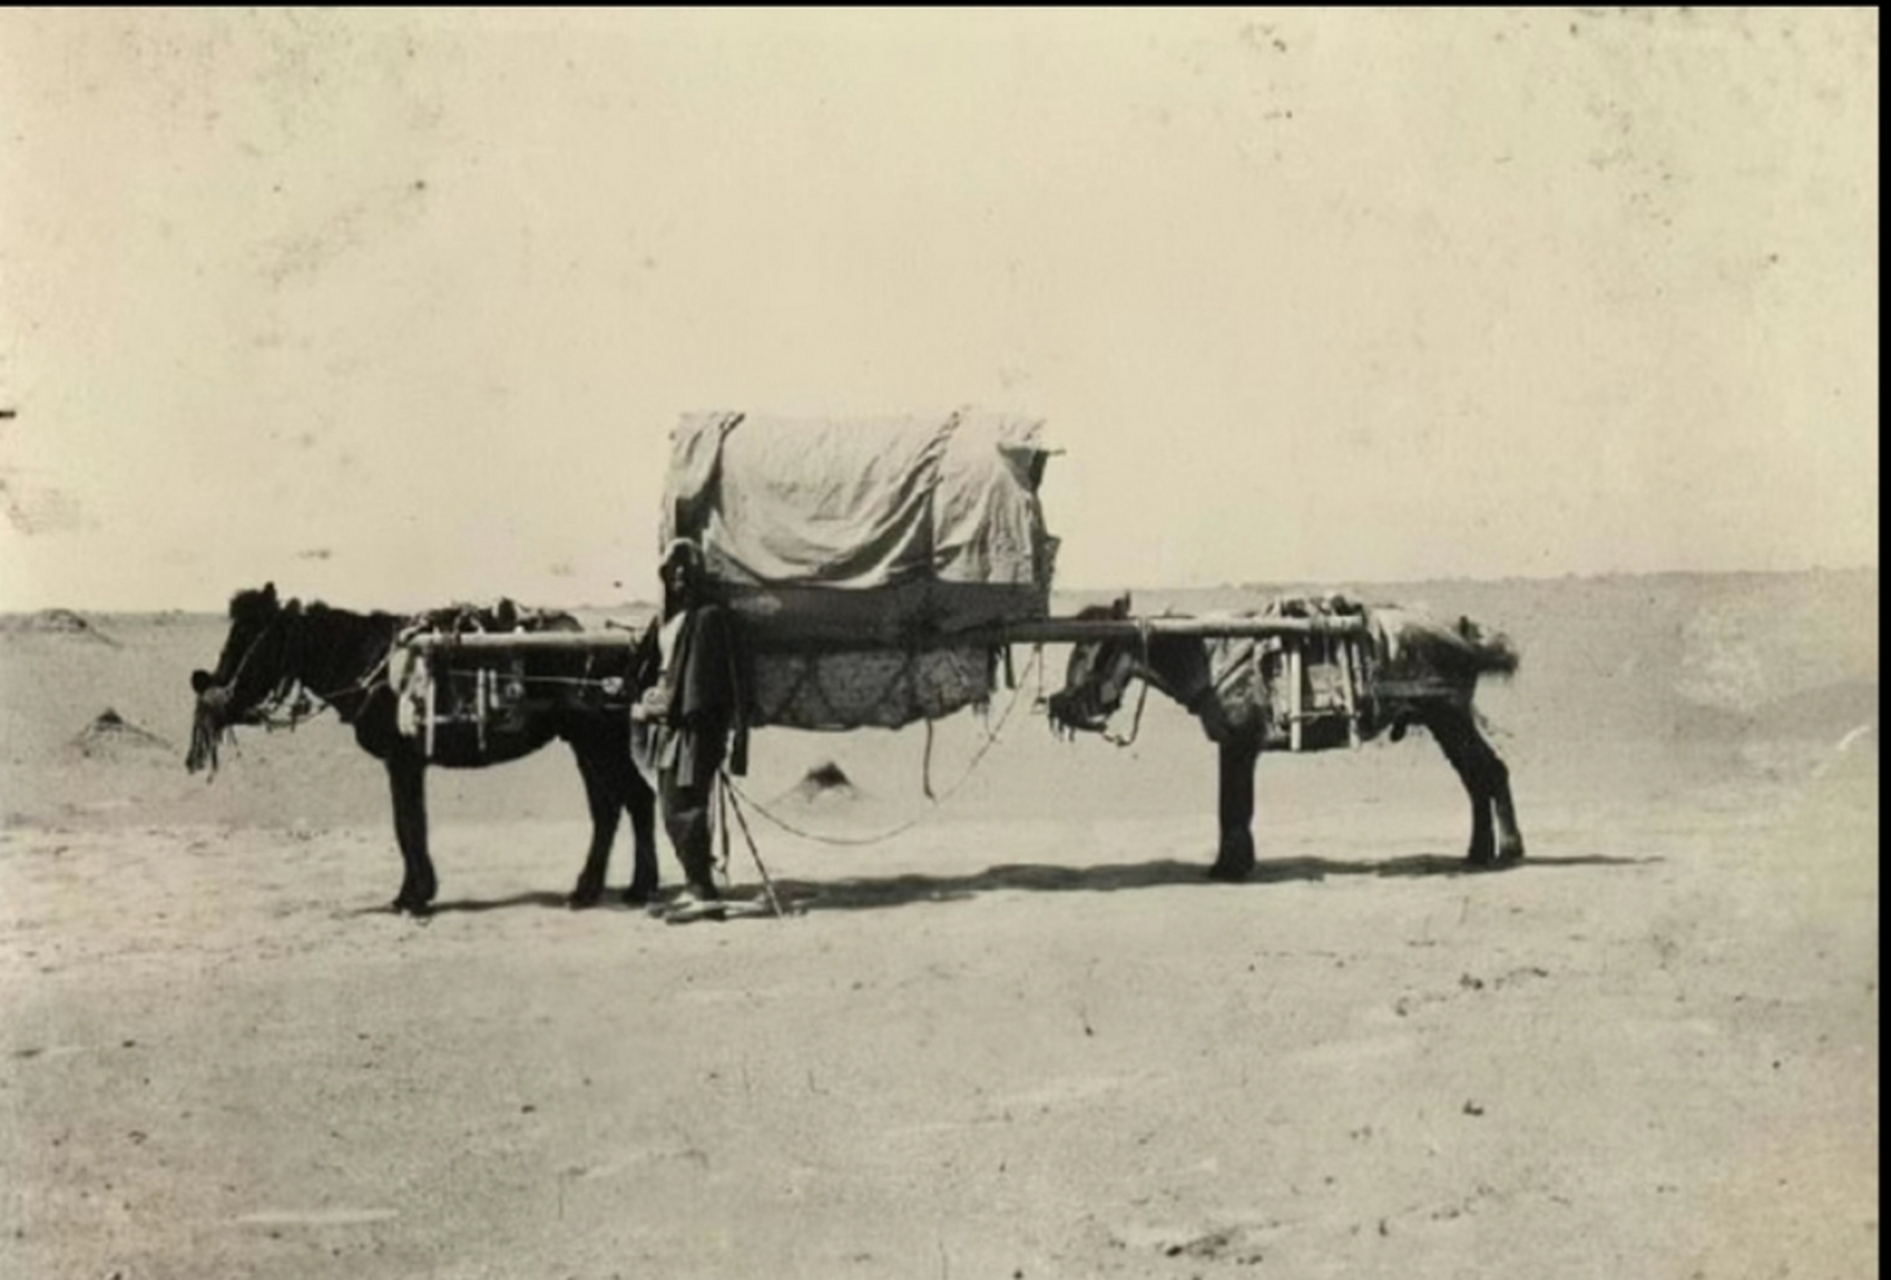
(1140, 667)
(1135, 723)
(1091, 695)
(289, 690)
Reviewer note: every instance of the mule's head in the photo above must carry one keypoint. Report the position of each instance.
(248, 671)
(1095, 679)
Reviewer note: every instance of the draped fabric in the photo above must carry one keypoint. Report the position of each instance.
(835, 532)
(836, 544)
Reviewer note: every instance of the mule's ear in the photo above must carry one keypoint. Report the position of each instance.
(1121, 607)
(199, 681)
(269, 594)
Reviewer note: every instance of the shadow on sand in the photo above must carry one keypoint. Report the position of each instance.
(868, 892)
(474, 906)
(540, 898)
(891, 891)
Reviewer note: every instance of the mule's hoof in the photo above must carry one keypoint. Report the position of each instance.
(638, 896)
(1509, 854)
(1231, 874)
(583, 899)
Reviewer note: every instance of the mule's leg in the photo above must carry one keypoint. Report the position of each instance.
(1481, 772)
(407, 780)
(1234, 860)
(641, 802)
(603, 791)
(1496, 776)
(397, 793)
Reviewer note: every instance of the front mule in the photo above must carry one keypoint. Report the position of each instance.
(599, 739)
(1426, 674)
(279, 656)
(609, 793)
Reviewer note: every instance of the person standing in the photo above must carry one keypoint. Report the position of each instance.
(683, 723)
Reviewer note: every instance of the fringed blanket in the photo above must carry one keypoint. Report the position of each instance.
(1350, 686)
(877, 688)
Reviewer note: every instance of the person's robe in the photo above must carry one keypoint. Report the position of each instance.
(702, 703)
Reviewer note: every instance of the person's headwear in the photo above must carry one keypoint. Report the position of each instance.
(682, 548)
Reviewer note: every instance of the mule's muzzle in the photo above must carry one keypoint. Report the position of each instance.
(1073, 712)
(211, 721)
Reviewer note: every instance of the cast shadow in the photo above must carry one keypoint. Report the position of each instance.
(537, 898)
(871, 892)
(861, 893)
(474, 906)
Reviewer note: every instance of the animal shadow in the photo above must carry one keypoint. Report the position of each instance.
(862, 893)
(474, 906)
(869, 892)
(1426, 864)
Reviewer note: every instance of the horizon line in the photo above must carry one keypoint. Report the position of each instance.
(1257, 584)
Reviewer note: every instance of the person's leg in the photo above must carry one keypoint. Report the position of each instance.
(686, 819)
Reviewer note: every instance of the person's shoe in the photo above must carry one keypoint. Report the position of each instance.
(697, 902)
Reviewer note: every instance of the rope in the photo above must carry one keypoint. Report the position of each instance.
(768, 883)
(722, 820)
(991, 740)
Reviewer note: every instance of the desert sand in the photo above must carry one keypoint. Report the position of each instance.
(1024, 1037)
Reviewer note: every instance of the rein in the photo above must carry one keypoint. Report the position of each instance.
(1145, 673)
(291, 692)
(1135, 724)
(298, 695)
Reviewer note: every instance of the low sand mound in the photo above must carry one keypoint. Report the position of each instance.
(1825, 713)
(54, 622)
(826, 783)
(110, 736)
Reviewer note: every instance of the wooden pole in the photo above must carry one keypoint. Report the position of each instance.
(1346, 691)
(1296, 679)
(1033, 631)
(483, 703)
(432, 704)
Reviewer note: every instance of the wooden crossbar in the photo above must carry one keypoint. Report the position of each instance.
(1034, 631)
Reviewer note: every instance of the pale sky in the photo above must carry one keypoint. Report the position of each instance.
(398, 308)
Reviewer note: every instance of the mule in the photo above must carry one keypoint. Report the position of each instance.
(281, 655)
(1417, 671)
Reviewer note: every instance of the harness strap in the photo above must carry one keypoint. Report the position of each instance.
(1135, 724)
(1144, 673)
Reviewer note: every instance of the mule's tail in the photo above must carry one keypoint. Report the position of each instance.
(1462, 648)
(1493, 654)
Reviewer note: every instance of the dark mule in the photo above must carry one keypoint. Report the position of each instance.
(279, 653)
(1417, 672)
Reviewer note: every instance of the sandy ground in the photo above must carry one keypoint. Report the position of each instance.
(1023, 1038)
